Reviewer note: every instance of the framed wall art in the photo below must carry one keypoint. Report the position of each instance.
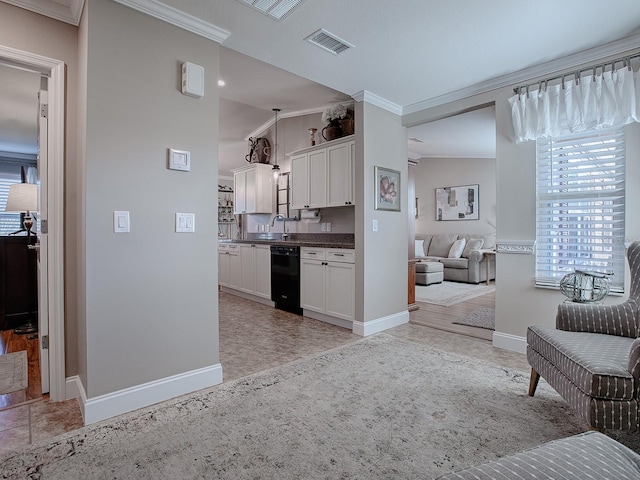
(387, 189)
(458, 203)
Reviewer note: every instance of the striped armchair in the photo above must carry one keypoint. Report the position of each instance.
(592, 357)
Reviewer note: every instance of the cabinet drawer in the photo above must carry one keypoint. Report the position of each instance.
(312, 253)
(234, 249)
(223, 247)
(341, 255)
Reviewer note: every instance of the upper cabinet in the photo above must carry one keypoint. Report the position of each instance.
(253, 189)
(323, 175)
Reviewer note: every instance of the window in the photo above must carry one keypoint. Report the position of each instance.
(580, 193)
(9, 222)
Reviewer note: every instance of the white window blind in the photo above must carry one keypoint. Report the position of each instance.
(580, 194)
(9, 222)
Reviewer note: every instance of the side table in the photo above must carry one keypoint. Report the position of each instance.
(489, 254)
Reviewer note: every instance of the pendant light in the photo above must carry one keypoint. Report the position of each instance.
(276, 167)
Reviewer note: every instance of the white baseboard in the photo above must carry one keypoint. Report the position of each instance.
(510, 342)
(75, 389)
(380, 324)
(129, 399)
(327, 319)
(248, 296)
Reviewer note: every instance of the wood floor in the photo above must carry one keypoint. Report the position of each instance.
(10, 343)
(440, 317)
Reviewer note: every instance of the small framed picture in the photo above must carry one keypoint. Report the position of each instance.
(387, 189)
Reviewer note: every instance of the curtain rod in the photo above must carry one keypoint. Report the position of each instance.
(625, 60)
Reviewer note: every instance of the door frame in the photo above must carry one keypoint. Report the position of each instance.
(55, 70)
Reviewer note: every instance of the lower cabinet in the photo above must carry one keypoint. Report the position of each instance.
(328, 281)
(229, 265)
(245, 267)
(255, 270)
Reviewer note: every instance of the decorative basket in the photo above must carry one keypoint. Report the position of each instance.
(585, 287)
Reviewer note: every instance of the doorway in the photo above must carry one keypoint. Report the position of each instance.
(51, 278)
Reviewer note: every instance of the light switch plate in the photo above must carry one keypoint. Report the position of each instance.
(374, 225)
(121, 222)
(185, 222)
(179, 160)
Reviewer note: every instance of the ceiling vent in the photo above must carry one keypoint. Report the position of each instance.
(416, 140)
(328, 41)
(276, 9)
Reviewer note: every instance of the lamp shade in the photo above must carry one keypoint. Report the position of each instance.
(23, 197)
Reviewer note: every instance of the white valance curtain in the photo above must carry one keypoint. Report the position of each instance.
(607, 99)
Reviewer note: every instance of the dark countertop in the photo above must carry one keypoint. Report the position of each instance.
(294, 243)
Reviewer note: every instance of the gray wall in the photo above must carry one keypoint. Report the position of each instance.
(518, 302)
(432, 173)
(30, 32)
(151, 303)
(381, 265)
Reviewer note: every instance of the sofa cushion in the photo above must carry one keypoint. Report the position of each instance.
(587, 455)
(471, 245)
(441, 244)
(455, 262)
(457, 248)
(419, 251)
(489, 239)
(593, 362)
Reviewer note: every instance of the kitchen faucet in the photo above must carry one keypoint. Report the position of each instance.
(285, 235)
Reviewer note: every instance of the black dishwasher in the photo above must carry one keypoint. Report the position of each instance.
(285, 278)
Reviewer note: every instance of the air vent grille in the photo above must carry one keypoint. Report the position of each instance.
(328, 41)
(276, 9)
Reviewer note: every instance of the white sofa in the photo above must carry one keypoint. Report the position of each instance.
(468, 264)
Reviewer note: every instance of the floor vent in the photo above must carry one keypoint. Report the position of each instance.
(276, 9)
(328, 41)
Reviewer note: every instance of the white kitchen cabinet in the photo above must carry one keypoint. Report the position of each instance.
(340, 175)
(255, 270)
(253, 189)
(327, 283)
(309, 180)
(234, 266)
(323, 176)
(223, 264)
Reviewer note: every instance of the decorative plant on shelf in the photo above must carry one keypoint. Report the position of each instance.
(333, 115)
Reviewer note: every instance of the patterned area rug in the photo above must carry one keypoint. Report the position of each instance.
(481, 318)
(382, 407)
(450, 293)
(13, 372)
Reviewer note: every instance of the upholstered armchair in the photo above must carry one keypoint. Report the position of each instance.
(592, 357)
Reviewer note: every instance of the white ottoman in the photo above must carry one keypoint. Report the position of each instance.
(429, 272)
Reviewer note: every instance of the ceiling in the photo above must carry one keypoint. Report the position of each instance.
(406, 58)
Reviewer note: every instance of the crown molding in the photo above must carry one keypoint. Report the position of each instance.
(281, 116)
(373, 99)
(70, 14)
(523, 247)
(522, 76)
(178, 18)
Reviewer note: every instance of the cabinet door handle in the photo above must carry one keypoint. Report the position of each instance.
(339, 254)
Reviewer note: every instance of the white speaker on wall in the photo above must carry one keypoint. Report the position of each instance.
(192, 80)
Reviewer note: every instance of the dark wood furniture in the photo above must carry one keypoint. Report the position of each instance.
(17, 272)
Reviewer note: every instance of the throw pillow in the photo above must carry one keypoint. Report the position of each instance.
(472, 244)
(457, 248)
(420, 248)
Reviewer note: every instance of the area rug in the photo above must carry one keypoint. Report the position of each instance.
(450, 293)
(13, 372)
(382, 408)
(481, 318)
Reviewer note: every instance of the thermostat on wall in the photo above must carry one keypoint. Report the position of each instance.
(192, 80)
(179, 160)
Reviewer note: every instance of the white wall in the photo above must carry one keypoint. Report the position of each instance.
(151, 307)
(432, 173)
(381, 257)
(518, 302)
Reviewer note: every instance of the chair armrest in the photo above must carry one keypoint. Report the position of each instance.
(634, 359)
(476, 256)
(619, 319)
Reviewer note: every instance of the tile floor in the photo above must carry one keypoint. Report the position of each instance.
(253, 338)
